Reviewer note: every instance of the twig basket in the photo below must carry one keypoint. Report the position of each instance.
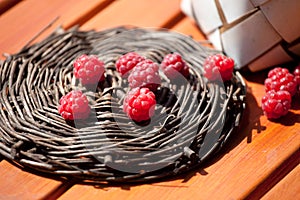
(192, 121)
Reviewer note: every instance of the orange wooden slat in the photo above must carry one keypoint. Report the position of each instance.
(289, 183)
(146, 13)
(189, 27)
(18, 184)
(21, 23)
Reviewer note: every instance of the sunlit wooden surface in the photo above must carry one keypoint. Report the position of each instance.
(261, 160)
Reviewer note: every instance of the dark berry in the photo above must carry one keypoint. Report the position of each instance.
(127, 62)
(89, 69)
(281, 79)
(74, 105)
(145, 74)
(276, 103)
(173, 66)
(218, 65)
(139, 104)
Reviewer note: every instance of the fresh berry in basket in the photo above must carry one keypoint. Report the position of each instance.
(139, 104)
(173, 66)
(127, 62)
(297, 75)
(89, 69)
(145, 74)
(218, 65)
(276, 103)
(281, 79)
(74, 105)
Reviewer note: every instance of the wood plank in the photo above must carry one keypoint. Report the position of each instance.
(257, 150)
(18, 184)
(289, 183)
(146, 13)
(7, 4)
(25, 20)
(188, 26)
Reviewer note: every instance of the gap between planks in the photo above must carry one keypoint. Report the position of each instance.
(284, 168)
(7, 4)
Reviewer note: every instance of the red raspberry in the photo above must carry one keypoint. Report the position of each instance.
(281, 79)
(297, 75)
(139, 104)
(145, 74)
(128, 61)
(74, 105)
(218, 64)
(172, 64)
(276, 103)
(89, 69)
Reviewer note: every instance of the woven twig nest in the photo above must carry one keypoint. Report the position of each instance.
(193, 118)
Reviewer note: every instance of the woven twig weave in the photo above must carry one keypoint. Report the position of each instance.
(108, 146)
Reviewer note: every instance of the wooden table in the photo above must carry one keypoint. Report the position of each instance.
(261, 160)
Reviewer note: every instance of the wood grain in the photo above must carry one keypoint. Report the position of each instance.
(28, 18)
(292, 180)
(187, 26)
(146, 13)
(17, 184)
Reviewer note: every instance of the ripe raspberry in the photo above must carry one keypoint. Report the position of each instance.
(297, 75)
(281, 79)
(128, 61)
(172, 64)
(145, 74)
(89, 69)
(139, 104)
(74, 105)
(218, 64)
(276, 103)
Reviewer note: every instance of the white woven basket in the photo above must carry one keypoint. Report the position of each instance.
(255, 33)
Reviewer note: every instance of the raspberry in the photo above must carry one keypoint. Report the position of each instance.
(89, 69)
(145, 74)
(128, 61)
(276, 103)
(218, 64)
(281, 79)
(139, 104)
(297, 75)
(74, 105)
(172, 64)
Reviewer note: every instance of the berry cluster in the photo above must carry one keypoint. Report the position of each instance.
(144, 79)
(280, 86)
(89, 70)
